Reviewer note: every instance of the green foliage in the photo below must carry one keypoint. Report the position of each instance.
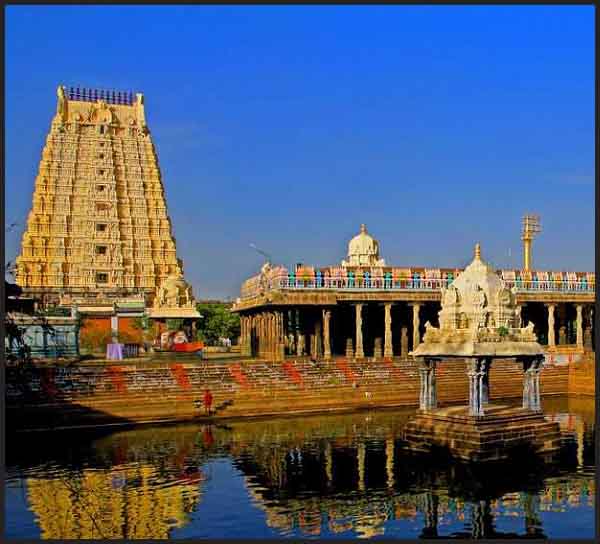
(142, 323)
(216, 322)
(174, 324)
(502, 332)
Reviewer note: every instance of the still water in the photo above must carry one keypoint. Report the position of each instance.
(339, 476)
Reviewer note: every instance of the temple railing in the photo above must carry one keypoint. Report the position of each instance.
(289, 282)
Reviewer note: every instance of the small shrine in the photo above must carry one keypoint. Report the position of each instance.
(479, 322)
(174, 300)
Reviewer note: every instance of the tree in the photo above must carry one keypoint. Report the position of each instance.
(217, 321)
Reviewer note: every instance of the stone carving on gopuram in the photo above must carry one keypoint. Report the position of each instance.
(99, 222)
(174, 298)
(363, 250)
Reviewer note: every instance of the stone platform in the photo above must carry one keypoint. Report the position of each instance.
(494, 436)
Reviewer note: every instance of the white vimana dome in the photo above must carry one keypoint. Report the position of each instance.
(363, 250)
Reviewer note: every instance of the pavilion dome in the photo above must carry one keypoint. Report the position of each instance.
(479, 316)
(363, 250)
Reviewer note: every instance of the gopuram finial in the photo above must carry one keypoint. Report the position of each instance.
(363, 228)
(478, 251)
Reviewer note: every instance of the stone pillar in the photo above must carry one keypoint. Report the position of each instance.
(389, 461)
(243, 334)
(269, 336)
(114, 327)
(377, 349)
(349, 349)
(580, 433)
(476, 372)
(318, 340)
(562, 335)
(485, 386)
(359, 353)
(404, 343)
(361, 456)
(430, 514)
(280, 337)
(248, 336)
(579, 309)
(531, 385)
(428, 393)
(551, 334)
(326, 333)
(299, 343)
(416, 323)
(388, 350)
(328, 463)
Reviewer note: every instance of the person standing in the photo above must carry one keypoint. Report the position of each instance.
(208, 398)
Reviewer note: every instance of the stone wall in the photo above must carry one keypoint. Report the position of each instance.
(68, 396)
(582, 376)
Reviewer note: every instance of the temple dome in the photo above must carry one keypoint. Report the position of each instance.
(363, 250)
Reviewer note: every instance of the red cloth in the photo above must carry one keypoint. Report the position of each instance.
(208, 398)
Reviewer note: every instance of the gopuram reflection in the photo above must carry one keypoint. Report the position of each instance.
(348, 475)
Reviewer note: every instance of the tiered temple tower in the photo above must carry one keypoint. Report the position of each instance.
(99, 222)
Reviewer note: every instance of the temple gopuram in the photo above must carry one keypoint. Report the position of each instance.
(98, 238)
(364, 307)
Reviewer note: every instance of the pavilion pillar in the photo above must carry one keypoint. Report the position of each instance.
(349, 349)
(580, 433)
(430, 514)
(387, 347)
(248, 336)
(359, 352)
(279, 337)
(531, 384)
(562, 321)
(404, 342)
(328, 463)
(299, 345)
(476, 373)
(258, 332)
(264, 325)
(416, 324)
(485, 385)
(243, 334)
(428, 392)
(551, 334)
(361, 458)
(587, 333)
(389, 461)
(318, 348)
(326, 337)
(268, 342)
(579, 309)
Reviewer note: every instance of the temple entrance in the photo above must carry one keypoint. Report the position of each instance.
(537, 313)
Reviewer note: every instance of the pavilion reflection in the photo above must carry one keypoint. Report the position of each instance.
(363, 484)
(311, 476)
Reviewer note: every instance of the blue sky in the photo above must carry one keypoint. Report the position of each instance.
(288, 126)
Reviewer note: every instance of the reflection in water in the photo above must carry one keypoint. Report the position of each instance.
(315, 476)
